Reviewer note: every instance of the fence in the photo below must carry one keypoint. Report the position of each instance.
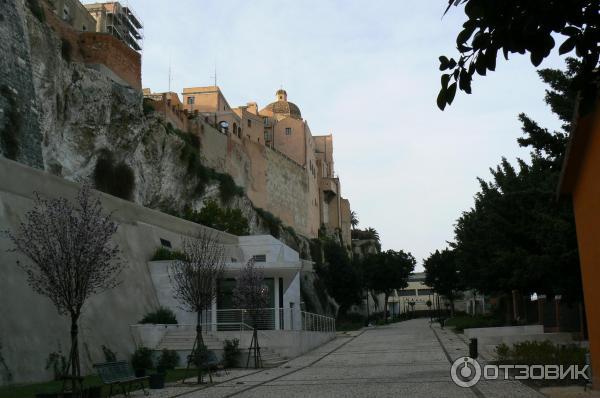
(267, 319)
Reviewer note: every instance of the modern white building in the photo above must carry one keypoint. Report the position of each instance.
(416, 292)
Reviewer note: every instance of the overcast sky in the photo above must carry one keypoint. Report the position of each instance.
(366, 71)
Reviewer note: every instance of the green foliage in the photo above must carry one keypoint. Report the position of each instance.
(518, 235)
(190, 154)
(199, 355)
(109, 355)
(541, 353)
(147, 107)
(518, 26)
(12, 126)
(65, 49)
(142, 358)
(462, 322)
(36, 10)
(350, 321)
(386, 271)
(162, 316)
(231, 352)
(58, 363)
(117, 180)
(168, 359)
(164, 254)
(443, 275)
(223, 219)
(340, 275)
(272, 222)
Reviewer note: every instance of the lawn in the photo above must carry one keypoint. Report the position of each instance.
(29, 390)
(462, 322)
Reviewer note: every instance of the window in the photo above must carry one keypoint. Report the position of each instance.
(240, 132)
(425, 292)
(249, 123)
(288, 131)
(266, 121)
(190, 100)
(267, 135)
(260, 258)
(410, 292)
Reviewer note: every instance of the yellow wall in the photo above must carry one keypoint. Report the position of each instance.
(586, 203)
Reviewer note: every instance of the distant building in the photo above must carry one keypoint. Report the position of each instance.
(416, 292)
(118, 20)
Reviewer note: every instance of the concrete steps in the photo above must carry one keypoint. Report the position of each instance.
(181, 340)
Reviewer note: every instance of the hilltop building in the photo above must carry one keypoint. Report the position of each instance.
(118, 20)
(308, 195)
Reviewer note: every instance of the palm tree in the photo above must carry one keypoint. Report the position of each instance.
(353, 219)
(373, 233)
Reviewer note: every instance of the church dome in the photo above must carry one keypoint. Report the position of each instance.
(283, 107)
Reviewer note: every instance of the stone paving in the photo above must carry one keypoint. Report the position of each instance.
(404, 359)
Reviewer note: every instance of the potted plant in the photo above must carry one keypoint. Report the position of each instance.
(141, 360)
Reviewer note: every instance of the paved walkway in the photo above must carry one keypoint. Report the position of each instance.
(404, 359)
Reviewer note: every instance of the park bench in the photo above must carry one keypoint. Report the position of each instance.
(119, 374)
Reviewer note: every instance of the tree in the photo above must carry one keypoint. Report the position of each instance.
(353, 219)
(71, 257)
(341, 277)
(387, 271)
(194, 280)
(252, 294)
(443, 275)
(520, 26)
(518, 236)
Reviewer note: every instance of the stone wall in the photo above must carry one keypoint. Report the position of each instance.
(20, 138)
(31, 328)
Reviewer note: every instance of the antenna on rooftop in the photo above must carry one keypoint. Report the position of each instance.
(169, 73)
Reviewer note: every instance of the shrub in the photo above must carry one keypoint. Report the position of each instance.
(231, 351)
(223, 219)
(462, 322)
(541, 353)
(142, 358)
(109, 355)
(65, 49)
(162, 316)
(168, 359)
(272, 222)
(164, 254)
(147, 107)
(36, 10)
(228, 188)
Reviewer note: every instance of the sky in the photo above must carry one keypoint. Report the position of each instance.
(366, 71)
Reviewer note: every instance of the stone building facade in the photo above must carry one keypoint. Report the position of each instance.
(272, 153)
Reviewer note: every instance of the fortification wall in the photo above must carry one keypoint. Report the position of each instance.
(272, 181)
(107, 316)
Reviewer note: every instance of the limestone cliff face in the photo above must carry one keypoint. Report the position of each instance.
(81, 112)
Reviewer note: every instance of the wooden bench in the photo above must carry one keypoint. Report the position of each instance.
(121, 375)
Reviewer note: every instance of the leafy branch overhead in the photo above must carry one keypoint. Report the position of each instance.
(519, 26)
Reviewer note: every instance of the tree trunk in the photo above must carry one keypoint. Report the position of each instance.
(199, 347)
(73, 365)
(385, 307)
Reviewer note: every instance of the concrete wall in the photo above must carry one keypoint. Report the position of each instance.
(31, 328)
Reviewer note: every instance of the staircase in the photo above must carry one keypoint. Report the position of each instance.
(183, 340)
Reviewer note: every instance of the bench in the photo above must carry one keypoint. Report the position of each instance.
(119, 374)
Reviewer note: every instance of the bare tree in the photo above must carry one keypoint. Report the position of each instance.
(72, 257)
(252, 294)
(194, 280)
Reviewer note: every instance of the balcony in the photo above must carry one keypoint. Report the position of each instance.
(329, 186)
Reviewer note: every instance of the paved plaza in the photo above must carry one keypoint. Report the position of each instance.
(405, 359)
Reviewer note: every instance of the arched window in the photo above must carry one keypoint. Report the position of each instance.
(240, 132)
(234, 128)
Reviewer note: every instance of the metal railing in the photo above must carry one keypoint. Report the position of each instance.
(267, 319)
